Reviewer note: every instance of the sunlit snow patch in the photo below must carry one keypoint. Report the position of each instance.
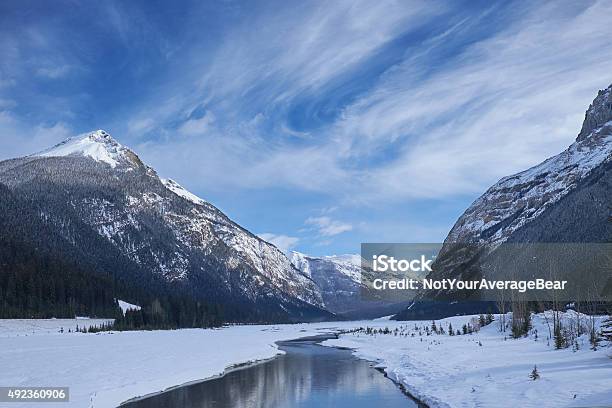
(125, 306)
(98, 145)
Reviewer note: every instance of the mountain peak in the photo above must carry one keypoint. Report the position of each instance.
(598, 114)
(100, 135)
(98, 145)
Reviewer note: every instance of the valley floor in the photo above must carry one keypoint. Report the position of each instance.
(105, 369)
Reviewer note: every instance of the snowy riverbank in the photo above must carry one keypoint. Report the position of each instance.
(105, 369)
(483, 369)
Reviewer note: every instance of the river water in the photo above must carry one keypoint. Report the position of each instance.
(307, 376)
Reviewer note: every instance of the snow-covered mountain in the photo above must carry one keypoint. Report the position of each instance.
(565, 199)
(517, 200)
(338, 278)
(348, 265)
(92, 183)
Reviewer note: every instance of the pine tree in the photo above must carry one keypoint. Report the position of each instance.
(450, 330)
(534, 373)
(559, 337)
(527, 323)
(606, 329)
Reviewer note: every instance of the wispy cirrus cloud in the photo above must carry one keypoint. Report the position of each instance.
(53, 72)
(282, 242)
(506, 103)
(328, 227)
(462, 99)
(384, 105)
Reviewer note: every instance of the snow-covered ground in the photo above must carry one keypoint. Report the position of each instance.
(484, 370)
(39, 327)
(105, 369)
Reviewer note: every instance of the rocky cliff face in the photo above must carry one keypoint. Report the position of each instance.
(93, 183)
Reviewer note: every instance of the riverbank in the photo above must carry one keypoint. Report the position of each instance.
(481, 369)
(105, 369)
(486, 368)
(307, 375)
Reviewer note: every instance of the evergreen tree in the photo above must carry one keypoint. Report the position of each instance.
(560, 341)
(606, 329)
(534, 373)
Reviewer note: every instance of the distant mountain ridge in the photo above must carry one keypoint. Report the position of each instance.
(156, 229)
(339, 280)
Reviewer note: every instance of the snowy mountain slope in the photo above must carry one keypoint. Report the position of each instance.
(347, 265)
(565, 199)
(516, 200)
(337, 279)
(179, 190)
(93, 182)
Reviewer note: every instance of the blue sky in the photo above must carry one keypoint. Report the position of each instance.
(319, 124)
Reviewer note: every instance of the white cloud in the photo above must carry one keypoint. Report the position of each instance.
(318, 43)
(197, 126)
(141, 125)
(20, 138)
(53, 72)
(328, 227)
(282, 242)
(505, 102)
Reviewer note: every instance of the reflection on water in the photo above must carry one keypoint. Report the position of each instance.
(307, 376)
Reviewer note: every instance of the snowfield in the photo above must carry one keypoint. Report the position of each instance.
(105, 369)
(457, 371)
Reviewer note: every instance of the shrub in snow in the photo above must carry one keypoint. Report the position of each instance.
(534, 373)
